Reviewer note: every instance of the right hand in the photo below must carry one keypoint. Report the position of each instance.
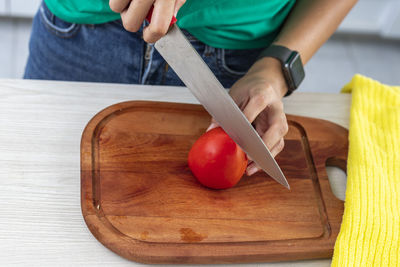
(259, 94)
(134, 12)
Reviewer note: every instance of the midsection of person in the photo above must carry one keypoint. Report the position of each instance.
(229, 24)
(99, 50)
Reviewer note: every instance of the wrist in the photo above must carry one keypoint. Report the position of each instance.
(270, 70)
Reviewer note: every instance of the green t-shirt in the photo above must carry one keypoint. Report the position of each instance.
(231, 24)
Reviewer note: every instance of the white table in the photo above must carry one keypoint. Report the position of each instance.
(41, 123)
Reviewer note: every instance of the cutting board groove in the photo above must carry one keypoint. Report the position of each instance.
(140, 199)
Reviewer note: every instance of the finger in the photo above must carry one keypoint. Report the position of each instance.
(259, 100)
(252, 169)
(160, 20)
(278, 127)
(277, 148)
(133, 17)
(212, 126)
(178, 5)
(249, 162)
(119, 5)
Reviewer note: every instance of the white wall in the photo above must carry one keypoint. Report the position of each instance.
(374, 17)
(19, 8)
(2, 7)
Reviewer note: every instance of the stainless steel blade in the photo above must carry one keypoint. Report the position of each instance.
(196, 75)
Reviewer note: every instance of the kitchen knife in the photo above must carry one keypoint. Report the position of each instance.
(199, 79)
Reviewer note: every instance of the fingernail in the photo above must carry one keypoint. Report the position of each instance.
(251, 170)
(212, 126)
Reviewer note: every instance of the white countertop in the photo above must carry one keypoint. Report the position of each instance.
(41, 123)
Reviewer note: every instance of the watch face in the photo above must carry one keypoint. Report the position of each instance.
(295, 67)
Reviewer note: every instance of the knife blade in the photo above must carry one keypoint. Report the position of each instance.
(199, 79)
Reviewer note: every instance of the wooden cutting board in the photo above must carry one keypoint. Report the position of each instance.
(140, 199)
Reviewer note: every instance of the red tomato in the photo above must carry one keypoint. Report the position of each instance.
(216, 160)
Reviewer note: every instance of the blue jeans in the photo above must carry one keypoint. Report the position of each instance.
(59, 50)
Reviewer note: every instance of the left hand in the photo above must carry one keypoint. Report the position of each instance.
(259, 95)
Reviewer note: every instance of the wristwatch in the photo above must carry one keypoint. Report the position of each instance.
(292, 66)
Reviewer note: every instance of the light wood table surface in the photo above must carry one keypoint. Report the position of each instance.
(41, 123)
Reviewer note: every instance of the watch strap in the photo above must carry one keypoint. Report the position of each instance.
(277, 51)
(283, 54)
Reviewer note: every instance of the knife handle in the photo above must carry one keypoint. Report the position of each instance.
(148, 17)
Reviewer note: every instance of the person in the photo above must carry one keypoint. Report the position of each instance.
(101, 41)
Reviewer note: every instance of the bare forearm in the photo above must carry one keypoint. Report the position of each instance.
(311, 23)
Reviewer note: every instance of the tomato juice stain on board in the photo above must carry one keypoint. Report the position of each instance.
(144, 235)
(190, 236)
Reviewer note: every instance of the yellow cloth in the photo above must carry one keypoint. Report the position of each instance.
(370, 231)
